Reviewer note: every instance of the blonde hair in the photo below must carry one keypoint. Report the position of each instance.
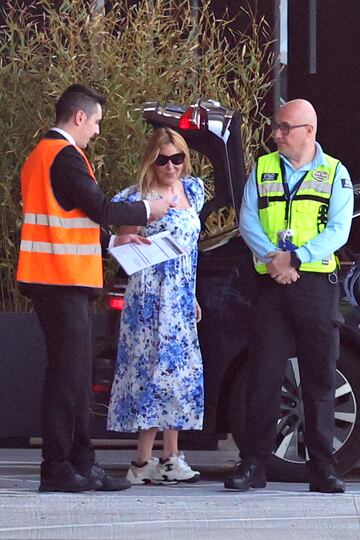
(158, 139)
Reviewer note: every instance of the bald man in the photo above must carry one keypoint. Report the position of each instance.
(296, 212)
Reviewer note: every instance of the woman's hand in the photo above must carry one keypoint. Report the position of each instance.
(127, 238)
(197, 312)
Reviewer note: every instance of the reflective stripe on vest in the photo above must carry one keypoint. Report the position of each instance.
(276, 187)
(56, 221)
(270, 188)
(58, 247)
(305, 214)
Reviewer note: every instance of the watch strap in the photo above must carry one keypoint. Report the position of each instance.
(295, 260)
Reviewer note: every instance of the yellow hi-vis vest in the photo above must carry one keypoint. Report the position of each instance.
(305, 215)
(58, 247)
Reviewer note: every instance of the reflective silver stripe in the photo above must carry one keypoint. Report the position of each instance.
(271, 187)
(276, 187)
(55, 221)
(320, 187)
(60, 249)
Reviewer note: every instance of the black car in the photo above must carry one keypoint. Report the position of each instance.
(225, 284)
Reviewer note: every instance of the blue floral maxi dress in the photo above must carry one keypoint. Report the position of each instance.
(159, 376)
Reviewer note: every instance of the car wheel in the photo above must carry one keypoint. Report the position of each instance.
(288, 460)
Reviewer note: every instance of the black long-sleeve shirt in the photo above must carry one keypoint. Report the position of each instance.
(73, 187)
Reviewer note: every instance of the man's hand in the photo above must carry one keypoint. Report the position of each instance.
(126, 229)
(280, 262)
(128, 238)
(285, 278)
(280, 267)
(159, 207)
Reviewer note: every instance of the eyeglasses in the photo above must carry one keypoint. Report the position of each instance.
(285, 127)
(176, 159)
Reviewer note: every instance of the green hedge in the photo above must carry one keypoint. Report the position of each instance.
(157, 51)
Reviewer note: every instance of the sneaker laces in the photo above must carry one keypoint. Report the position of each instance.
(183, 464)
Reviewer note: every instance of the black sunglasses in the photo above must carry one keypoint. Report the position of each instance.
(176, 159)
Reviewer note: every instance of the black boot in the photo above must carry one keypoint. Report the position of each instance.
(324, 480)
(245, 476)
(105, 481)
(60, 476)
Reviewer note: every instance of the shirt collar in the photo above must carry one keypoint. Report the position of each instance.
(319, 159)
(65, 134)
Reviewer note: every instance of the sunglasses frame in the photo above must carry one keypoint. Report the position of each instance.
(165, 159)
(284, 127)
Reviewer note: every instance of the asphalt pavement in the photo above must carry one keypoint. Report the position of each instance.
(200, 511)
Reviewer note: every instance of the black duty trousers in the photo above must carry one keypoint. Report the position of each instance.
(302, 317)
(64, 317)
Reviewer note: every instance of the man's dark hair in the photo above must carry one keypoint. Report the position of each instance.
(77, 97)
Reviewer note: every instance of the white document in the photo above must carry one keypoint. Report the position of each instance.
(134, 257)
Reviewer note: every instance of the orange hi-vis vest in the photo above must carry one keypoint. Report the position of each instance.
(58, 247)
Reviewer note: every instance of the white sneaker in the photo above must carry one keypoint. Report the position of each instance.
(173, 470)
(144, 474)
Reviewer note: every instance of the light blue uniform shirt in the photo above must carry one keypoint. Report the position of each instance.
(325, 243)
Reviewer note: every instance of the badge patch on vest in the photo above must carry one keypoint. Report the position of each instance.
(320, 175)
(269, 177)
(346, 183)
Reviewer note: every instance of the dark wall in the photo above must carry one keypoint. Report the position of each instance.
(22, 363)
(334, 89)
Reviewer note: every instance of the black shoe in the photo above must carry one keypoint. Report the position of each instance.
(60, 476)
(325, 481)
(107, 482)
(246, 475)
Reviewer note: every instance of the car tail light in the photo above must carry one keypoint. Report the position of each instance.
(116, 303)
(194, 118)
(100, 388)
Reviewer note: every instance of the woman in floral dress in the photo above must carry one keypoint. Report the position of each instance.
(158, 384)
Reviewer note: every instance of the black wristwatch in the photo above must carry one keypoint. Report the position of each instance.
(295, 260)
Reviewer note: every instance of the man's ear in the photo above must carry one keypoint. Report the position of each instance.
(80, 117)
(310, 129)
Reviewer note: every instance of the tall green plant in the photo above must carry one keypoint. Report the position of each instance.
(156, 51)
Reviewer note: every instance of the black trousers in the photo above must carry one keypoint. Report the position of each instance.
(303, 318)
(64, 317)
